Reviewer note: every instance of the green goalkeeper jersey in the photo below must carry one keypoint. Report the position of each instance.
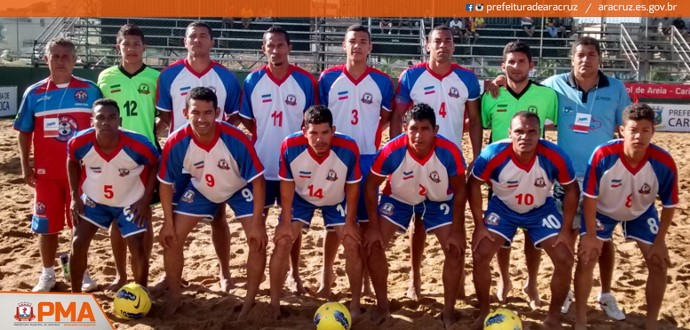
(497, 112)
(135, 95)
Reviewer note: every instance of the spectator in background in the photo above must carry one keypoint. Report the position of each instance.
(472, 25)
(527, 25)
(552, 27)
(566, 26)
(408, 23)
(679, 23)
(457, 26)
(385, 23)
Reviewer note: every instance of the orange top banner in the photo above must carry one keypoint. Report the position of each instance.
(345, 8)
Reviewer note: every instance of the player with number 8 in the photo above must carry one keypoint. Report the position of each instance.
(521, 171)
(640, 170)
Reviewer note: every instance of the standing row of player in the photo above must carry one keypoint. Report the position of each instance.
(275, 96)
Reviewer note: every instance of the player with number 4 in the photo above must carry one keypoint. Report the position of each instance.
(639, 170)
(224, 168)
(112, 174)
(521, 171)
(319, 169)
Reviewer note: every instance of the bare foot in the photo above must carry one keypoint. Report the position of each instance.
(478, 324)
(324, 290)
(295, 285)
(245, 311)
(162, 284)
(379, 315)
(172, 306)
(116, 285)
(226, 284)
(552, 323)
(449, 318)
(355, 311)
(534, 301)
(277, 315)
(502, 291)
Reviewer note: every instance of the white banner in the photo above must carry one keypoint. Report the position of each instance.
(51, 311)
(672, 117)
(8, 101)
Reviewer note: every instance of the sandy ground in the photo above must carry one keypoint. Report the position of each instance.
(206, 307)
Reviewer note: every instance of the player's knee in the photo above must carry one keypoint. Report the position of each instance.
(657, 265)
(481, 256)
(351, 247)
(563, 258)
(283, 244)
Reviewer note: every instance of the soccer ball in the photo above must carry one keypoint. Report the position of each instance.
(502, 319)
(132, 301)
(332, 316)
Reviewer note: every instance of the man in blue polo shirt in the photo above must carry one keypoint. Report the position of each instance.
(590, 109)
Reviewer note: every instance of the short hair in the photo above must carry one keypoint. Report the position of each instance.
(130, 30)
(202, 94)
(318, 114)
(60, 41)
(104, 102)
(517, 47)
(439, 28)
(199, 24)
(419, 112)
(637, 112)
(278, 29)
(586, 41)
(358, 28)
(527, 115)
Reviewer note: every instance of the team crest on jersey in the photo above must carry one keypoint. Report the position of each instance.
(144, 89)
(123, 172)
(223, 164)
(332, 176)
(600, 226)
(291, 100)
(88, 201)
(532, 108)
(492, 219)
(188, 196)
(454, 93)
(367, 98)
(435, 177)
(67, 127)
(539, 182)
(81, 96)
(387, 209)
(646, 189)
(568, 109)
(40, 208)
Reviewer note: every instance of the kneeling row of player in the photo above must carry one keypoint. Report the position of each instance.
(207, 163)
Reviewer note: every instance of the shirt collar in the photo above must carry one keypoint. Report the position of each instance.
(603, 80)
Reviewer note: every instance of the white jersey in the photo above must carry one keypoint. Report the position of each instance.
(412, 180)
(175, 82)
(118, 178)
(447, 95)
(277, 107)
(523, 187)
(356, 104)
(623, 193)
(218, 169)
(320, 180)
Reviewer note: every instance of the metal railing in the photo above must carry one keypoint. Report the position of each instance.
(680, 47)
(630, 51)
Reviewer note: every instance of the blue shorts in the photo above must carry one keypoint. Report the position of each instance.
(102, 216)
(540, 224)
(303, 211)
(642, 228)
(179, 187)
(365, 162)
(195, 204)
(434, 214)
(272, 193)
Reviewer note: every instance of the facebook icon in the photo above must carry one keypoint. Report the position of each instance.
(469, 7)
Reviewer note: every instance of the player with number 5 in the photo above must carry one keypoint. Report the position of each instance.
(112, 173)
(319, 169)
(622, 181)
(521, 171)
(224, 168)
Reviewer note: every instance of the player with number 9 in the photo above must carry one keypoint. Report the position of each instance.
(521, 171)
(118, 168)
(224, 168)
(426, 179)
(639, 170)
(319, 169)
